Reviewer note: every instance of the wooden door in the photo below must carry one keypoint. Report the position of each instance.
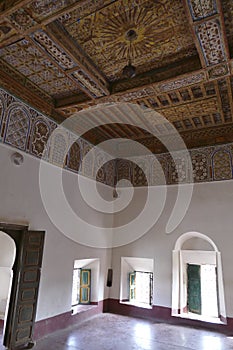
(24, 292)
(151, 289)
(85, 286)
(194, 288)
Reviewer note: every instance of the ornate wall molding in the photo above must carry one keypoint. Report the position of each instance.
(208, 164)
(27, 130)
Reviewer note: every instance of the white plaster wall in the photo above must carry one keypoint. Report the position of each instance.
(210, 213)
(196, 244)
(21, 203)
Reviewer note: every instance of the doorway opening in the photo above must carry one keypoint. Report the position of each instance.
(197, 282)
(202, 296)
(76, 287)
(209, 292)
(7, 259)
(137, 281)
(85, 293)
(81, 291)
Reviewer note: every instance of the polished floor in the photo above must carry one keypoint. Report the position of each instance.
(114, 332)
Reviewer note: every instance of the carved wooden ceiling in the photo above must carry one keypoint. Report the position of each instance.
(65, 56)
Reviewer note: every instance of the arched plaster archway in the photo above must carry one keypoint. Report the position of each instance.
(179, 299)
(188, 235)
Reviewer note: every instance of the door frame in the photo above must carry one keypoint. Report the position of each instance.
(178, 291)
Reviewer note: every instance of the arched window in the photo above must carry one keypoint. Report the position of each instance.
(197, 281)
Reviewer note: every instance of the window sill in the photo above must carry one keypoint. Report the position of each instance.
(203, 318)
(142, 305)
(77, 309)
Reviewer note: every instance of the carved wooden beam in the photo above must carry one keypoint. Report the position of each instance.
(193, 139)
(86, 74)
(96, 137)
(25, 90)
(9, 6)
(135, 94)
(119, 131)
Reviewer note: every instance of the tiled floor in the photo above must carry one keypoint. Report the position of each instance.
(114, 332)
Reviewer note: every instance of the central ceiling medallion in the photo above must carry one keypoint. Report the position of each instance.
(129, 71)
(131, 35)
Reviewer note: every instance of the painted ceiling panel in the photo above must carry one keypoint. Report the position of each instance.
(63, 57)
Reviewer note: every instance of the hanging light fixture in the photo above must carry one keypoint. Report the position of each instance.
(129, 71)
(115, 193)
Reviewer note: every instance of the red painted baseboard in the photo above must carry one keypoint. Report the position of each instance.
(157, 313)
(62, 321)
(163, 314)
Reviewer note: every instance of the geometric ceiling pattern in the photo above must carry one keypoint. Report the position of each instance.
(62, 57)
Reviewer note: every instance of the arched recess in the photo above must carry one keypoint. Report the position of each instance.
(17, 125)
(21, 311)
(58, 147)
(179, 286)
(39, 137)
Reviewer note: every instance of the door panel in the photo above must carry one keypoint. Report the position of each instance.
(132, 286)
(151, 289)
(85, 286)
(24, 293)
(194, 288)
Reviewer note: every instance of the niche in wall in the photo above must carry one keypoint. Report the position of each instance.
(85, 283)
(137, 281)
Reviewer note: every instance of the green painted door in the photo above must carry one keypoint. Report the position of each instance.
(132, 286)
(85, 286)
(194, 288)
